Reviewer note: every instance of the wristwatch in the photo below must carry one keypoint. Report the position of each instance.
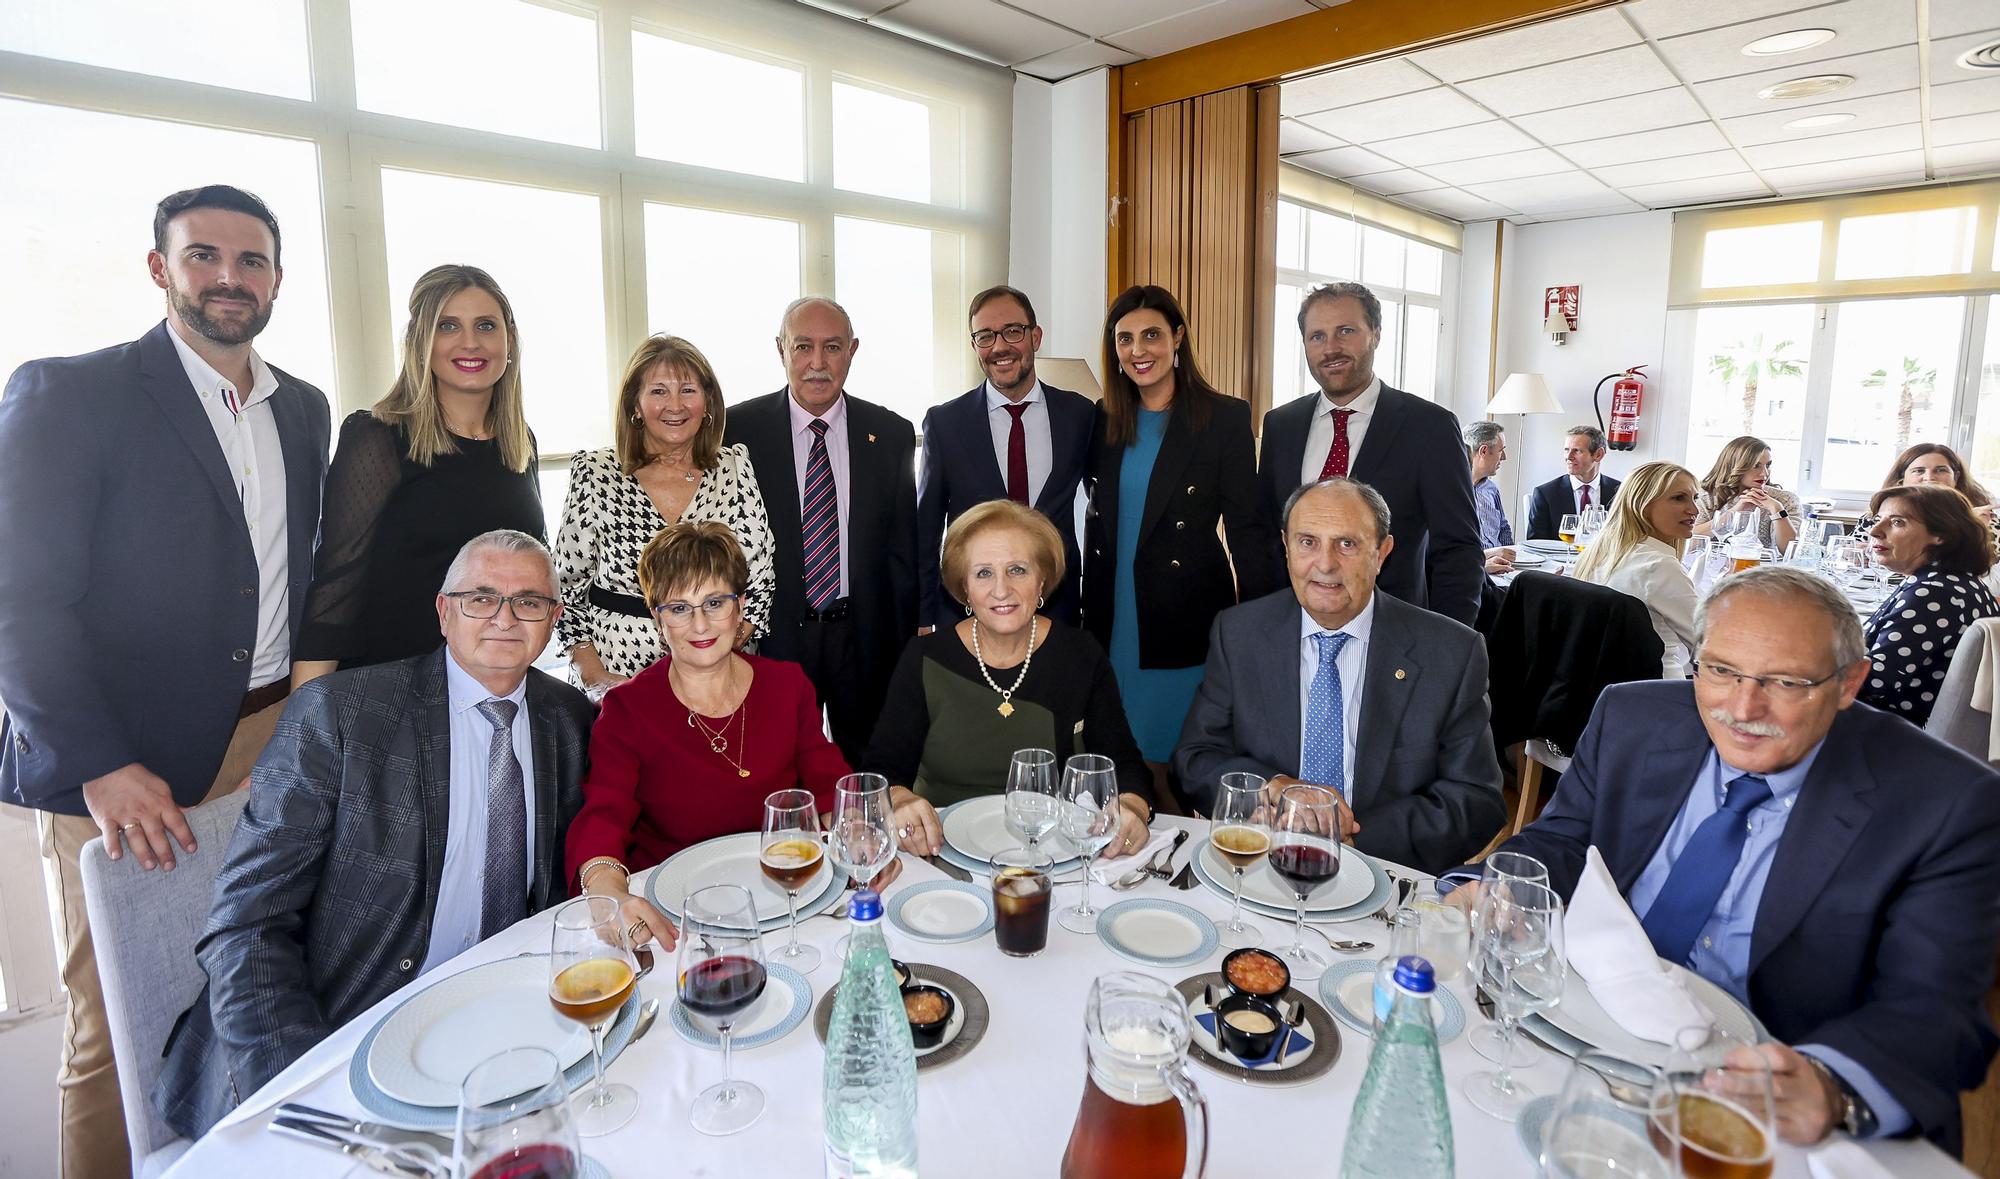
(1784, 513)
(1855, 1116)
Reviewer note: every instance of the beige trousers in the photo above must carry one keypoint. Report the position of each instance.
(91, 1118)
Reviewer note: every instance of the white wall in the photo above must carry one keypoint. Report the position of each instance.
(1057, 218)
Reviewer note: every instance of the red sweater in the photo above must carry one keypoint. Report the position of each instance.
(654, 786)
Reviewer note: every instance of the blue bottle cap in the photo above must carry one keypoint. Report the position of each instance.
(1415, 975)
(866, 905)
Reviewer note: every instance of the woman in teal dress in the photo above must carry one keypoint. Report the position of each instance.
(1170, 458)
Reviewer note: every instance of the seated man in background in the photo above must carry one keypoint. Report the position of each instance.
(1832, 867)
(1334, 684)
(1486, 450)
(1583, 485)
(332, 895)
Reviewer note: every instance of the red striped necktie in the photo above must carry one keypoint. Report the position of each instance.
(821, 523)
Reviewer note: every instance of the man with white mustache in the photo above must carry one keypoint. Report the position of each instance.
(1834, 868)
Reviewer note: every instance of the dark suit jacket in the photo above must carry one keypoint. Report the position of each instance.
(1183, 575)
(1426, 787)
(1875, 933)
(324, 904)
(114, 491)
(961, 470)
(1554, 500)
(881, 527)
(1413, 455)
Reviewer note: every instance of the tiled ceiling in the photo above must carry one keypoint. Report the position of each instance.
(1655, 104)
(1055, 39)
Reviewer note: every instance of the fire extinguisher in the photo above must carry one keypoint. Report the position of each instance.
(1623, 432)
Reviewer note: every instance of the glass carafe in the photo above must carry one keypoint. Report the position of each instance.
(1141, 1116)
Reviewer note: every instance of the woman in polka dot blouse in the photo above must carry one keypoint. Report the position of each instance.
(1930, 534)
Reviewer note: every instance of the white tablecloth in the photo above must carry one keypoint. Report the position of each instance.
(1004, 1109)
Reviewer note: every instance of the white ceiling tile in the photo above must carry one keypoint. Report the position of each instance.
(1950, 18)
(1860, 26)
(1538, 161)
(1645, 145)
(1668, 18)
(1617, 116)
(1398, 182)
(1345, 87)
(977, 28)
(1567, 84)
(1077, 59)
(1462, 206)
(1207, 23)
(1860, 173)
(1821, 149)
(1966, 129)
(1965, 98)
(1564, 189)
(1568, 214)
(1456, 143)
(1294, 137)
(1962, 158)
(1945, 54)
(1741, 185)
(1406, 114)
(1101, 17)
(1880, 72)
(1876, 110)
(1343, 161)
(1537, 44)
(858, 9)
(1711, 163)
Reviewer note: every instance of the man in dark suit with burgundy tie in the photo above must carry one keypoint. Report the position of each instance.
(836, 476)
(1401, 445)
(1014, 438)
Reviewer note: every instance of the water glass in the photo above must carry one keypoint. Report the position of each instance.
(1444, 938)
(514, 1119)
(1090, 813)
(1599, 1129)
(1031, 795)
(1520, 962)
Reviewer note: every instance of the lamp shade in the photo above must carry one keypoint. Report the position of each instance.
(1557, 323)
(1523, 393)
(1069, 373)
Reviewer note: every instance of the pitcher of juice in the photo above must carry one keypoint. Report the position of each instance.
(1141, 1116)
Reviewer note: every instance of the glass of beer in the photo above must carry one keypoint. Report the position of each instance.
(1571, 524)
(514, 1120)
(1240, 831)
(721, 977)
(1714, 1105)
(791, 855)
(591, 975)
(1021, 888)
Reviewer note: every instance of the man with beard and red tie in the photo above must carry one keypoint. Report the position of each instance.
(1401, 445)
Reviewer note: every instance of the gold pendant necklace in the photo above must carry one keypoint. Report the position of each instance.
(718, 739)
(1006, 694)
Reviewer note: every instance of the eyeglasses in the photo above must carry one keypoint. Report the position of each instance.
(486, 604)
(678, 613)
(1783, 686)
(1013, 333)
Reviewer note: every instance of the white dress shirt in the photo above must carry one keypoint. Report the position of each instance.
(455, 924)
(1319, 436)
(1653, 574)
(836, 455)
(1034, 428)
(247, 429)
(1351, 663)
(1576, 487)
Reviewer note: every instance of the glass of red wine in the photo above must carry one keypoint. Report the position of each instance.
(1305, 852)
(514, 1120)
(721, 976)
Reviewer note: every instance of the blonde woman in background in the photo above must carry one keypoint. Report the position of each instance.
(1639, 553)
(445, 457)
(1739, 481)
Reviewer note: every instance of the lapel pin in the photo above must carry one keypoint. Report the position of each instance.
(1399, 673)
(871, 438)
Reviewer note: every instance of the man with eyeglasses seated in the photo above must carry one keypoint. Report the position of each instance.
(1832, 867)
(401, 813)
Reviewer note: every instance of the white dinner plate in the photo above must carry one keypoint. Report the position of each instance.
(977, 827)
(426, 1048)
(1348, 990)
(942, 911)
(1552, 547)
(1263, 885)
(1157, 932)
(1580, 1016)
(786, 1000)
(1379, 891)
(731, 859)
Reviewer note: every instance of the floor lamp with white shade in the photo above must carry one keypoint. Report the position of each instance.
(1523, 393)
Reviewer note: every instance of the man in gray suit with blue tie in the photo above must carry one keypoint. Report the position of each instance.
(1334, 684)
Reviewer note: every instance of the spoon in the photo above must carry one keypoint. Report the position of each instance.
(648, 1012)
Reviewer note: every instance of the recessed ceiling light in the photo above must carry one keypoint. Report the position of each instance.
(1811, 121)
(1982, 59)
(1790, 42)
(1808, 87)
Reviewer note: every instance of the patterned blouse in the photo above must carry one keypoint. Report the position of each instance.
(1705, 509)
(1911, 637)
(607, 521)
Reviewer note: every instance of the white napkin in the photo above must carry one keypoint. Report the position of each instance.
(1842, 1158)
(1105, 871)
(1609, 949)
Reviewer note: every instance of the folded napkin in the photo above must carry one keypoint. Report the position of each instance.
(1105, 871)
(1609, 949)
(1842, 1158)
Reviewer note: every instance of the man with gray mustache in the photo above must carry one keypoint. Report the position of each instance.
(1836, 871)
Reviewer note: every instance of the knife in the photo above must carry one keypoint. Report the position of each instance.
(403, 1160)
(948, 868)
(373, 1131)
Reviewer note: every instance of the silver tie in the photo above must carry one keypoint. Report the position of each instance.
(503, 897)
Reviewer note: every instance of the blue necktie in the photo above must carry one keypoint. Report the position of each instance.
(1702, 871)
(1322, 762)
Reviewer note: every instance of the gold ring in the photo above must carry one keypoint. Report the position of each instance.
(632, 931)
(127, 826)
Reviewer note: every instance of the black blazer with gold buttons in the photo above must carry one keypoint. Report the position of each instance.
(1182, 575)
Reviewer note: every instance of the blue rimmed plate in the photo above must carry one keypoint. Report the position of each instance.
(783, 1006)
(1533, 1126)
(976, 829)
(732, 859)
(1156, 932)
(1377, 895)
(942, 911)
(1348, 990)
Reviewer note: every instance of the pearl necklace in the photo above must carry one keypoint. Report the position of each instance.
(1006, 694)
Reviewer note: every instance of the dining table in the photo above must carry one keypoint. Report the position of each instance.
(1005, 1108)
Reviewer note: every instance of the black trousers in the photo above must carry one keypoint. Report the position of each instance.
(831, 657)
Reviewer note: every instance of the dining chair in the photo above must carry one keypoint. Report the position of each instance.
(1964, 715)
(144, 926)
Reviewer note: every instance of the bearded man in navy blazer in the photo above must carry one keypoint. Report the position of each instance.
(1834, 869)
(1011, 438)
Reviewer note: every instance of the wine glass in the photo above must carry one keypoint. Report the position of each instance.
(1487, 1039)
(1714, 1106)
(1521, 964)
(1240, 831)
(1031, 795)
(721, 976)
(862, 840)
(1600, 1129)
(1090, 812)
(790, 855)
(514, 1119)
(591, 974)
(1571, 524)
(1305, 851)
